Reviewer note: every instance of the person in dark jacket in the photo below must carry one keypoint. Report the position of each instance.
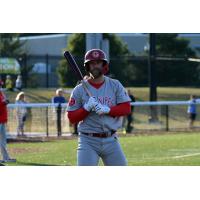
(60, 99)
(130, 127)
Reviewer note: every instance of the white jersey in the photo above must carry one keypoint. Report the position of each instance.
(110, 93)
(18, 83)
(21, 111)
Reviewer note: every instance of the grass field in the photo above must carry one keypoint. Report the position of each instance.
(141, 93)
(178, 117)
(174, 149)
(164, 149)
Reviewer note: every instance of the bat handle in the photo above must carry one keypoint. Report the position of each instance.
(86, 88)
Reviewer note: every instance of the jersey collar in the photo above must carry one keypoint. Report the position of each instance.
(96, 85)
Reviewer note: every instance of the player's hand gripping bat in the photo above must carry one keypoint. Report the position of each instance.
(73, 65)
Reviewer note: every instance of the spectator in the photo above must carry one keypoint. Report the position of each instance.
(129, 127)
(9, 83)
(18, 83)
(21, 113)
(59, 98)
(3, 121)
(192, 111)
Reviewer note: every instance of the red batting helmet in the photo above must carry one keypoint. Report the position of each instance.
(96, 54)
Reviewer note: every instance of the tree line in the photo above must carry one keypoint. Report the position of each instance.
(130, 69)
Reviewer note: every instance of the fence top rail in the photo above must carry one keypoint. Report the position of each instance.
(162, 103)
(145, 103)
(36, 105)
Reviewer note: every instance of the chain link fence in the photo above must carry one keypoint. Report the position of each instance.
(42, 119)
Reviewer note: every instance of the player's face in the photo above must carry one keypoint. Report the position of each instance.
(60, 93)
(22, 97)
(96, 67)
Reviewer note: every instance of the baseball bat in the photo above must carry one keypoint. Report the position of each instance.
(73, 65)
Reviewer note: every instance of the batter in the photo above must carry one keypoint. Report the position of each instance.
(99, 116)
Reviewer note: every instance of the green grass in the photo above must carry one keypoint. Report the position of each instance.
(43, 95)
(139, 150)
(57, 152)
(178, 149)
(40, 95)
(170, 149)
(141, 114)
(165, 93)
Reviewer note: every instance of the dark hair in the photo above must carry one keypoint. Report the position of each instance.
(192, 96)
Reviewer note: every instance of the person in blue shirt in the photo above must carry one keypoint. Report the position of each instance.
(60, 99)
(192, 110)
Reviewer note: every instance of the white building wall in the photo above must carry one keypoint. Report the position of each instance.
(54, 44)
(42, 45)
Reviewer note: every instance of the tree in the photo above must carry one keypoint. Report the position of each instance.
(10, 45)
(169, 72)
(119, 53)
(172, 45)
(76, 45)
(175, 72)
(120, 64)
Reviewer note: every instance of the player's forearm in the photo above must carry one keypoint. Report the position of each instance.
(120, 110)
(77, 115)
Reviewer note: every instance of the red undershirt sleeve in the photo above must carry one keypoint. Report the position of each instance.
(121, 109)
(77, 115)
(115, 111)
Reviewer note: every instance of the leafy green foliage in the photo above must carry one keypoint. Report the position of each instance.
(129, 72)
(10, 45)
(119, 65)
(76, 45)
(171, 45)
(168, 73)
(175, 72)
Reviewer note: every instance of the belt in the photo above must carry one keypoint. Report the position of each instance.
(100, 135)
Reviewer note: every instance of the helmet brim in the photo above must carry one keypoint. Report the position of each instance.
(86, 61)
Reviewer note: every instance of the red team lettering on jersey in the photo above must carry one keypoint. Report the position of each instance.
(106, 101)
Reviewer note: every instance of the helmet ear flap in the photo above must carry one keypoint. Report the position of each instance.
(87, 67)
(105, 69)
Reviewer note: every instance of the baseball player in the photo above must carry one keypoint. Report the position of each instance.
(99, 116)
